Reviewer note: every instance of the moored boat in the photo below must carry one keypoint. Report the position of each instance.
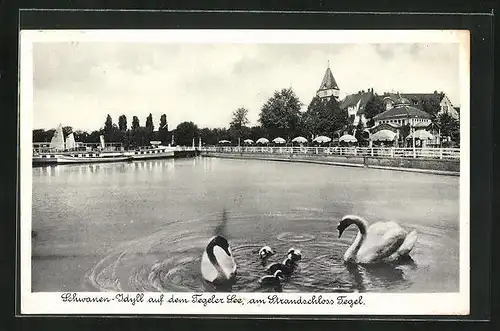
(156, 152)
(92, 158)
(44, 159)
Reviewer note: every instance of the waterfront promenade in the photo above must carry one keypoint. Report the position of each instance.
(444, 161)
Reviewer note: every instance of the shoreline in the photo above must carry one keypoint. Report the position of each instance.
(427, 166)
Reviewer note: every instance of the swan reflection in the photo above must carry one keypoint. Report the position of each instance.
(378, 275)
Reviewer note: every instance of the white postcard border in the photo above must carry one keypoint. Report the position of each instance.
(372, 303)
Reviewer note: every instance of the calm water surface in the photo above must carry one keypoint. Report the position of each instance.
(143, 226)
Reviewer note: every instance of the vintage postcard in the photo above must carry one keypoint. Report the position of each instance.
(259, 172)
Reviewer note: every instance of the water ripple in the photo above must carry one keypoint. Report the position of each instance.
(169, 260)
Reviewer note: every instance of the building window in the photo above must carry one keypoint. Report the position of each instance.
(445, 108)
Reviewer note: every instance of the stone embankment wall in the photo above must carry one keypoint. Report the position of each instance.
(436, 166)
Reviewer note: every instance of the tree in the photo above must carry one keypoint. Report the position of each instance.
(81, 136)
(257, 132)
(374, 107)
(449, 126)
(185, 132)
(340, 120)
(280, 115)
(67, 130)
(140, 137)
(39, 135)
(431, 105)
(122, 123)
(49, 134)
(208, 136)
(163, 123)
(239, 119)
(135, 123)
(323, 117)
(359, 132)
(94, 136)
(108, 125)
(237, 127)
(163, 129)
(149, 123)
(110, 130)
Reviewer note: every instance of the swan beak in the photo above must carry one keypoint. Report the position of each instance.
(341, 230)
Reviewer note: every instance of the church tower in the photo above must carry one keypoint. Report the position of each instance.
(328, 87)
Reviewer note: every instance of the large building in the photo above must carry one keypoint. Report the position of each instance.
(402, 110)
(328, 87)
(403, 113)
(355, 104)
(416, 99)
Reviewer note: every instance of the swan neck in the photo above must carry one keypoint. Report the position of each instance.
(361, 224)
(213, 259)
(360, 237)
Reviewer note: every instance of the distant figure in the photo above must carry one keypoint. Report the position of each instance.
(217, 263)
(379, 243)
(265, 252)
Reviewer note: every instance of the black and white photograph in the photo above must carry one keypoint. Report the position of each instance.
(265, 164)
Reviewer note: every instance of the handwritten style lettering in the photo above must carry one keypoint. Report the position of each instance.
(73, 297)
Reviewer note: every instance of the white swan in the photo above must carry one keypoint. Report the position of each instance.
(217, 263)
(265, 252)
(380, 242)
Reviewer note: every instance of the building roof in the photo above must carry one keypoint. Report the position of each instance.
(414, 96)
(328, 81)
(353, 99)
(402, 111)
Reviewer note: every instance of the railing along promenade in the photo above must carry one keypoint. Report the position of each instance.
(391, 152)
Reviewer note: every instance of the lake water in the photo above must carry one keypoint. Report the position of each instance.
(143, 226)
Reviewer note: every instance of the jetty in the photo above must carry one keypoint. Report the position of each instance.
(68, 151)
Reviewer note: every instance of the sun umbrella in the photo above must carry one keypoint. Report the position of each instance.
(300, 140)
(248, 141)
(420, 134)
(224, 141)
(279, 140)
(322, 139)
(262, 141)
(348, 138)
(383, 135)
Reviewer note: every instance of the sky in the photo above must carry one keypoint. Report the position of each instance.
(78, 83)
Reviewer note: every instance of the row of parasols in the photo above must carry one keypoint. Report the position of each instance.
(382, 135)
(388, 135)
(298, 140)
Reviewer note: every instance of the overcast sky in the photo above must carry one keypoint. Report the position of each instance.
(78, 83)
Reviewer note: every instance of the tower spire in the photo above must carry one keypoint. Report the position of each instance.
(328, 63)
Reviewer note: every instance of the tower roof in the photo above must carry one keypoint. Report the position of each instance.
(328, 81)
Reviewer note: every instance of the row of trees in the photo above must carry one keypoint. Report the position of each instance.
(280, 116)
(134, 136)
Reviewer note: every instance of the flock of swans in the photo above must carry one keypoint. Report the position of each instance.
(380, 242)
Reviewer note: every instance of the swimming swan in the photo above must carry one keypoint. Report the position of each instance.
(286, 267)
(294, 254)
(217, 263)
(265, 252)
(381, 242)
(274, 280)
